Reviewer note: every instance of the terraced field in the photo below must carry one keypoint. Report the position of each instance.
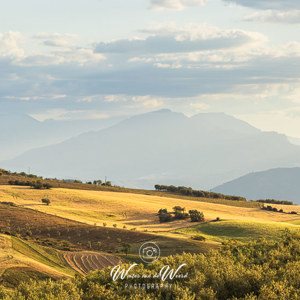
(84, 262)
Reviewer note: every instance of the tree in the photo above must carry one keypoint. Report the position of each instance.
(46, 201)
(164, 216)
(196, 216)
(179, 213)
(97, 182)
(37, 184)
(125, 248)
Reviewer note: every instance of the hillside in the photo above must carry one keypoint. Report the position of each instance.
(23, 260)
(128, 209)
(279, 184)
(83, 230)
(164, 147)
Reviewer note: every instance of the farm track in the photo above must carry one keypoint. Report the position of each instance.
(84, 262)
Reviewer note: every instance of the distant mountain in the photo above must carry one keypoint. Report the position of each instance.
(21, 133)
(164, 147)
(279, 184)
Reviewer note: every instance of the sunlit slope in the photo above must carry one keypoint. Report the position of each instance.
(126, 209)
(22, 260)
(239, 230)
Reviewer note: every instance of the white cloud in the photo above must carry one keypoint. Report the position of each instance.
(175, 4)
(173, 39)
(275, 16)
(76, 56)
(15, 47)
(268, 4)
(64, 114)
(57, 39)
(199, 106)
(148, 101)
(10, 44)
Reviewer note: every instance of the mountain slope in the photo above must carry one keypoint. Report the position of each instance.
(23, 133)
(164, 147)
(279, 184)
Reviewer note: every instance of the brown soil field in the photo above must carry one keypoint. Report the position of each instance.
(84, 262)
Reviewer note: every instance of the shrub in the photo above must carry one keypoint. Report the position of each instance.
(46, 201)
(164, 216)
(196, 216)
(198, 238)
(179, 213)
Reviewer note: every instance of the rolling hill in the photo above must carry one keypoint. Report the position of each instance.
(279, 184)
(164, 147)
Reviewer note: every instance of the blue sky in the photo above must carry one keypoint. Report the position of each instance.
(100, 58)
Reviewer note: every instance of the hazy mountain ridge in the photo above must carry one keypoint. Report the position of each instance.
(167, 148)
(22, 132)
(279, 184)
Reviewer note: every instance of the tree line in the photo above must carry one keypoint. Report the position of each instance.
(275, 209)
(37, 184)
(179, 214)
(273, 201)
(187, 191)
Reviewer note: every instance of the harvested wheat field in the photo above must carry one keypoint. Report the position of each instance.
(125, 209)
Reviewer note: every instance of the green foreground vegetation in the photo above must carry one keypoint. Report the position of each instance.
(243, 231)
(256, 270)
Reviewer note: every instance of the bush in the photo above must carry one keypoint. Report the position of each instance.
(164, 216)
(198, 238)
(46, 201)
(256, 270)
(179, 213)
(196, 216)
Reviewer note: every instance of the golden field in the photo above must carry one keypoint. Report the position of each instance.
(130, 210)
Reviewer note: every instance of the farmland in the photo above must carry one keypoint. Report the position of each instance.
(83, 230)
(128, 209)
(243, 231)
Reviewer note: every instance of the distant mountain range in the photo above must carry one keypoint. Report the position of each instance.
(20, 132)
(279, 184)
(164, 147)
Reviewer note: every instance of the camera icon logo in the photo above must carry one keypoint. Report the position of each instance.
(149, 252)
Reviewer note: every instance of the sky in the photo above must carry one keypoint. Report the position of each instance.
(84, 59)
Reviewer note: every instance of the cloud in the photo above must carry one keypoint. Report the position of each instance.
(14, 48)
(11, 44)
(191, 38)
(268, 4)
(175, 4)
(56, 39)
(275, 16)
(188, 68)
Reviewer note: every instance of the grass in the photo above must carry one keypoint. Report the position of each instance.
(127, 209)
(243, 231)
(295, 222)
(22, 260)
(4, 179)
(47, 256)
(12, 277)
